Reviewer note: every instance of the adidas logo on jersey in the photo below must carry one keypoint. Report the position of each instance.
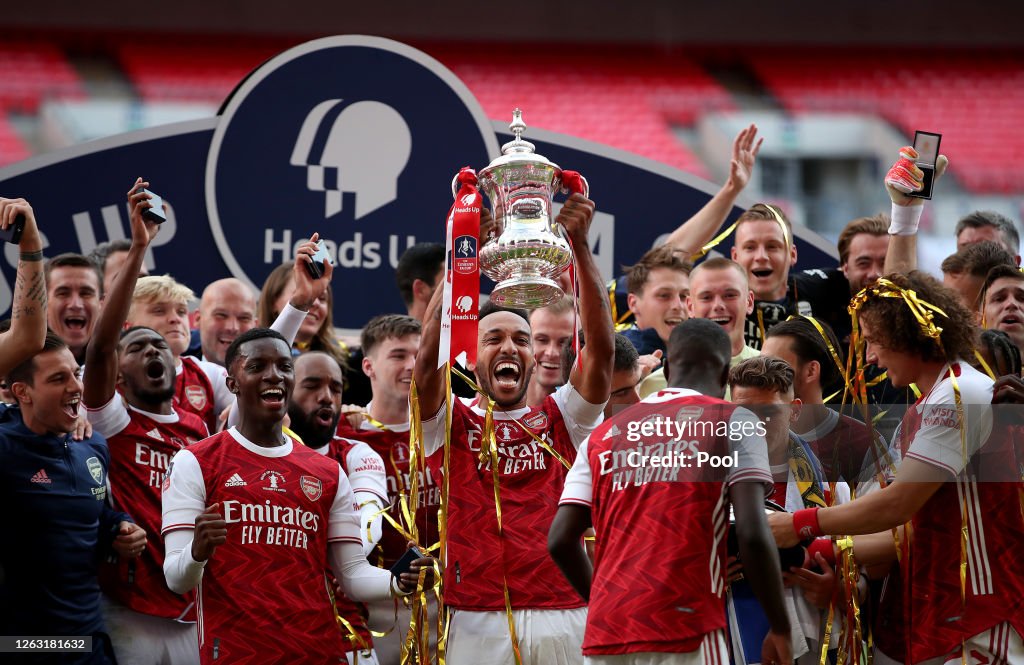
(154, 434)
(235, 481)
(41, 477)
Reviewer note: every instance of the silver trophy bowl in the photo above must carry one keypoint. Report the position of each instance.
(529, 252)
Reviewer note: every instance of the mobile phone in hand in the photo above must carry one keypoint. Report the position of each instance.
(320, 259)
(12, 233)
(405, 563)
(927, 146)
(155, 214)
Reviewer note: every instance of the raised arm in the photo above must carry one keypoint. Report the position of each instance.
(592, 375)
(430, 382)
(101, 356)
(28, 312)
(699, 229)
(903, 178)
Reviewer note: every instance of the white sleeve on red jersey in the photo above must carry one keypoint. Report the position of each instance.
(184, 499)
(288, 322)
(361, 581)
(581, 417)
(750, 448)
(181, 571)
(366, 471)
(184, 493)
(369, 484)
(343, 521)
(111, 418)
(938, 441)
(579, 483)
(433, 430)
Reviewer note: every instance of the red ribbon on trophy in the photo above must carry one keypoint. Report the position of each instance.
(461, 305)
(574, 183)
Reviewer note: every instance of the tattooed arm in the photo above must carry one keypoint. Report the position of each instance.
(28, 311)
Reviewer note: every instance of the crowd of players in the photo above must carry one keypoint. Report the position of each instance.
(706, 477)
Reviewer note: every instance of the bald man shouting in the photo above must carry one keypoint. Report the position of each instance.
(226, 310)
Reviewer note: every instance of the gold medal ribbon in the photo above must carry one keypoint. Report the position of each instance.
(702, 252)
(984, 365)
(417, 640)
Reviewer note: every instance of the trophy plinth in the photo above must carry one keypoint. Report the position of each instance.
(529, 252)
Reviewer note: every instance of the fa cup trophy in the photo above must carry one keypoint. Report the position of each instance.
(530, 251)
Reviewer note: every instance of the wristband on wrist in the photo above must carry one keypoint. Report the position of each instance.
(805, 523)
(823, 546)
(396, 589)
(905, 220)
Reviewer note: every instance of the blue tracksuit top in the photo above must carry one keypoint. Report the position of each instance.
(58, 525)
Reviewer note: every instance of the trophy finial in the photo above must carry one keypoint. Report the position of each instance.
(517, 126)
(517, 145)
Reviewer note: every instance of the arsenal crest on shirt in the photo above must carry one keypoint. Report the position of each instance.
(536, 421)
(311, 487)
(196, 396)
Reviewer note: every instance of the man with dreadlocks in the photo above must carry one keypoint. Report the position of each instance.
(962, 595)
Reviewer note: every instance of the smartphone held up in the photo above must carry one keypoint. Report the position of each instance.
(12, 233)
(320, 259)
(927, 146)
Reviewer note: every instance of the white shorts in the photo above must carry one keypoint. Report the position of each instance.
(142, 639)
(546, 637)
(999, 645)
(712, 651)
(382, 620)
(362, 657)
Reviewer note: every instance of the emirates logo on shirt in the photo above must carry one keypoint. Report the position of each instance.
(311, 487)
(196, 396)
(274, 480)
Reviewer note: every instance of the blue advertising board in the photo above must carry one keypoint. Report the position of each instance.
(354, 137)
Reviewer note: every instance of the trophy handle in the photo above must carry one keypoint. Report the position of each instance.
(579, 184)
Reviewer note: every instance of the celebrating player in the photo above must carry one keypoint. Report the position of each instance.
(257, 518)
(486, 559)
(957, 485)
(651, 564)
(144, 429)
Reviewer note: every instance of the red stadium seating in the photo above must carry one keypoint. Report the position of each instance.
(12, 148)
(974, 100)
(193, 73)
(624, 101)
(33, 71)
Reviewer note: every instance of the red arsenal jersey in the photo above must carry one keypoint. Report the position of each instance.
(985, 492)
(194, 392)
(661, 512)
(392, 444)
(264, 596)
(141, 447)
(530, 483)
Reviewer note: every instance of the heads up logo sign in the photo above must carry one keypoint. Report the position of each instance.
(330, 146)
(354, 137)
(311, 143)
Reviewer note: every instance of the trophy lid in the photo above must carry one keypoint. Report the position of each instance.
(518, 150)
